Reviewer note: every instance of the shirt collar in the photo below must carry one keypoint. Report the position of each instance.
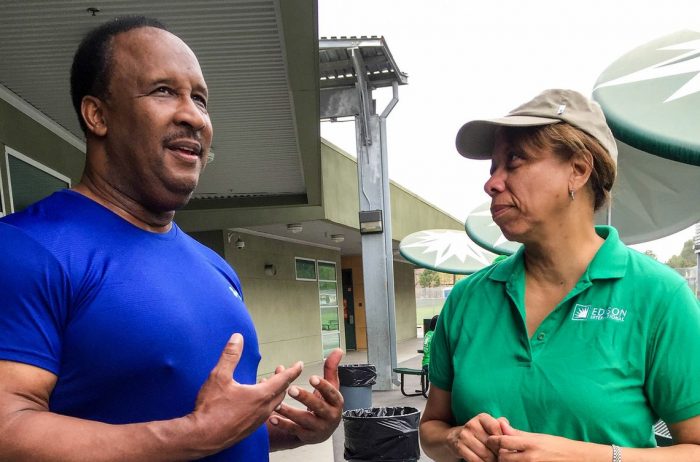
(609, 262)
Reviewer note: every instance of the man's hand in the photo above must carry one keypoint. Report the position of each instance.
(324, 408)
(226, 411)
(519, 446)
(469, 442)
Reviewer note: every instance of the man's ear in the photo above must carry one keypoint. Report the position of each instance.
(92, 110)
(581, 168)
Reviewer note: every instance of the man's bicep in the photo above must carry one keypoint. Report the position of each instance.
(24, 387)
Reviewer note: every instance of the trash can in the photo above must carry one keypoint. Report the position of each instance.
(356, 382)
(387, 434)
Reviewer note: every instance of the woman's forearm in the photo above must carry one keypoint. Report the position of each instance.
(433, 440)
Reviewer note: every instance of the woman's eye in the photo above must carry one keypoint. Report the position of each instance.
(514, 158)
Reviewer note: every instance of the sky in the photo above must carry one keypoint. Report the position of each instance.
(469, 59)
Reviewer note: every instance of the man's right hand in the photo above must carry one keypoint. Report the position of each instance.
(227, 411)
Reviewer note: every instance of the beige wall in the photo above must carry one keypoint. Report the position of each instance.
(405, 300)
(409, 212)
(24, 135)
(285, 311)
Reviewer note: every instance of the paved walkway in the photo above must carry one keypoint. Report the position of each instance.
(406, 356)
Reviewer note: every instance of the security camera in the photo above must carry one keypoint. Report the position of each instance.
(240, 244)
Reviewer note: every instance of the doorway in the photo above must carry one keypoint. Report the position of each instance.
(349, 311)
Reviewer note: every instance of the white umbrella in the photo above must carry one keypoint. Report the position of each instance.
(651, 99)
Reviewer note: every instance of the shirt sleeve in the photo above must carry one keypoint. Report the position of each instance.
(441, 371)
(673, 364)
(34, 294)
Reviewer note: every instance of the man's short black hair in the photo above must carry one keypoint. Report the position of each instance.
(90, 72)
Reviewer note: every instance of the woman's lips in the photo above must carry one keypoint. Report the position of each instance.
(498, 210)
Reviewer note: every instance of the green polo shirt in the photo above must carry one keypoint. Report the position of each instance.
(621, 350)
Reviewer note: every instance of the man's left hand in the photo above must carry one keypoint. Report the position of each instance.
(324, 407)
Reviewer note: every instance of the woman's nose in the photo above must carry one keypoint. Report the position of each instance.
(495, 183)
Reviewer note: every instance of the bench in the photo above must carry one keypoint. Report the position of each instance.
(424, 384)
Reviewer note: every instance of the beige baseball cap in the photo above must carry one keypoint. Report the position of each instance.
(476, 138)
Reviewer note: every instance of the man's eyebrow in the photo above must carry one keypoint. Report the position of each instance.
(174, 83)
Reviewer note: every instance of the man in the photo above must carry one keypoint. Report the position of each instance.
(109, 365)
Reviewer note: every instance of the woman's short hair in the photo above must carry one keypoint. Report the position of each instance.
(433, 323)
(568, 141)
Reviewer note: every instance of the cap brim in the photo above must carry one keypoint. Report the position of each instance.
(476, 138)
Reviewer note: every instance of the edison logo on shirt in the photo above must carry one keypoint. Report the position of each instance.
(595, 313)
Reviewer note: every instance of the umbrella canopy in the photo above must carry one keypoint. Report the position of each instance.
(651, 100)
(481, 228)
(445, 250)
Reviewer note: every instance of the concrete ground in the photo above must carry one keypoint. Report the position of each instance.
(332, 449)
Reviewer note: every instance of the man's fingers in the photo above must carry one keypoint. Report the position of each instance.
(279, 382)
(330, 366)
(301, 417)
(327, 390)
(229, 358)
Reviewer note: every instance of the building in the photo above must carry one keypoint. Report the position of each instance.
(271, 173)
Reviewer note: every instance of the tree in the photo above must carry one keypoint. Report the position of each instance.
(686, 259)
(429, 278)
(650, 253)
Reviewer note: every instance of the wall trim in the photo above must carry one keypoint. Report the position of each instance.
(28, 160)
(282, 238)
(42, 119)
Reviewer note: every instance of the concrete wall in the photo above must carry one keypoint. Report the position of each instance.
(286, 312)
(23, 134)
(409, 212)
(405, 300)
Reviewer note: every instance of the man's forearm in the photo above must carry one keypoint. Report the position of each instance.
(45, 436)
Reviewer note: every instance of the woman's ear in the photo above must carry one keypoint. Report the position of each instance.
(581, 168)
(92, 111)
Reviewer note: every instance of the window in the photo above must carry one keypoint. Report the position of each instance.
(305, 269)
(328, 300)
(29, 181)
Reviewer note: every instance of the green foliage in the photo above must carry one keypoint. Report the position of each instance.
(686, 259)
(650, 253)
(429, 278)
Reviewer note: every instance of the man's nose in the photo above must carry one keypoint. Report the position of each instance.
(190, 113)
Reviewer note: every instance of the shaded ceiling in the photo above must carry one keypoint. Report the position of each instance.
(260, 61)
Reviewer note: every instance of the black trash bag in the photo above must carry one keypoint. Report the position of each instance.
(382, 434)
(357, 375)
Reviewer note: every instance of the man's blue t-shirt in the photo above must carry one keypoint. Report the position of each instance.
(146, 318)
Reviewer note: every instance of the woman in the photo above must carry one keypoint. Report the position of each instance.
(573, 347)
(427, 341)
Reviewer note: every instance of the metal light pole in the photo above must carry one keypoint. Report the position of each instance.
(351, 68)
